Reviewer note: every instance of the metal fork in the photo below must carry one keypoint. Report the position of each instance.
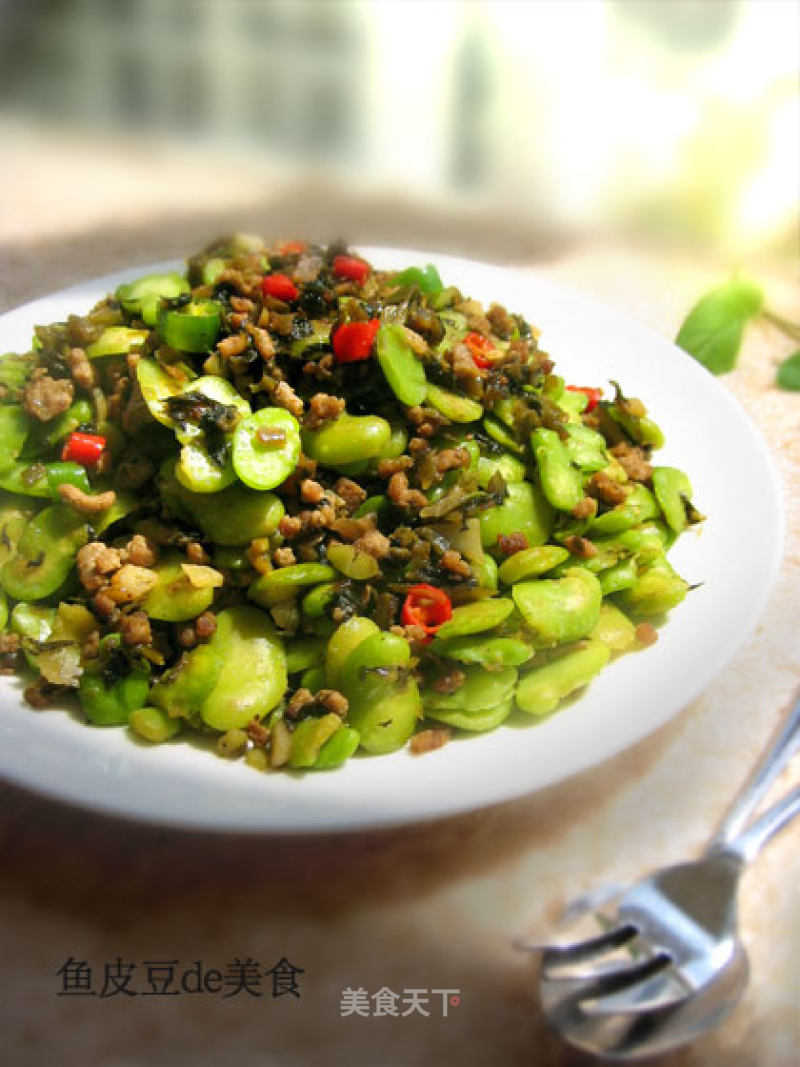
(662, 961)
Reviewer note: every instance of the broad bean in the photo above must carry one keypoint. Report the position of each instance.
(543, 688)
(348, 439)
(453, 406)
(284, 583)
(477, 617)
(673, 491)
(530, 563)
(561, 482)
(402, 369)
(490, 652)
(524, 510)
(638, 507)
(45, 554)
(614, 629)
(558, 610)
(480, 689)
(478, 721)
(174, 598)
(153, 725)
(657, 589)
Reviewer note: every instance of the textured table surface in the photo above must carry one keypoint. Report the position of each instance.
(430, 907)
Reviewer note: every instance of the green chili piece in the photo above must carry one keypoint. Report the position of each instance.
(373, 505)
(116, 341)
(66, 473)
(524, 510)
(558, 610)
(427, 279)
(453, 406)
(284, 583)
(543, 688)
(266, 447)
(111, 703)
(476, 618)
(45, 554)
(530, 563)
(402, 369)
(195, 327)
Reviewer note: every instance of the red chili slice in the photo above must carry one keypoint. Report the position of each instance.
(479, 347)
(292, 248)
(83, 448)
(357, 270)
(280, 287)
(353, 341)
(592, 392)
(427, 607)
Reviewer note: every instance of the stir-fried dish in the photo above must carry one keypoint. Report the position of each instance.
(303, 506)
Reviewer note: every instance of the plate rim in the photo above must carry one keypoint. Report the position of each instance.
(387, 820)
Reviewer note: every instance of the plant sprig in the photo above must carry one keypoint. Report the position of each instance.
(712, 332)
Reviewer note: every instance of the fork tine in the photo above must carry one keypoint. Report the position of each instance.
(595, 987)
(592, 950)
(662, 991)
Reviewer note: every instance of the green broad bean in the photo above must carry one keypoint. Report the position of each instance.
(573, 402)
(543, 688)
(480, 689)
(490, 652)
(385, 714)
(614, 629)
(15, 369)
(3, 610)
(26, 479)
(348, 439)
(235, 516)
(507, 465)
(484, 571)
(157, 387)
(558, 610)
(181, 691)
(14, 427)
(253, 678)
(316, 601)
(13, 517)
(524, 510)
(304, 652)
(672, 490)
(453, 406)
(337, 749)
(345, 639)
(530, 563)
(586, 448)
(620, 576)
(639, 506)
(230, 558)
(561, 482)
(116, 341)
(174, 598)
(371, 661)
(321, 626)
(403, 370)
(645, 542)
(111, 703)
(199, 473)
(35, 622)
(212, 269)
(72, 624)
(258, 461)
(657, 590)
(395, 446)
(498, 431)
(353, 563)
(313, 679)
(284, 583)
(309, 736)
(151, 724)
(479, 721)
(143, 297)
(476, 618)
(45, 554)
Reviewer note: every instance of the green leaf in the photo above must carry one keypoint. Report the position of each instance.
(712, 331)
(789, 373)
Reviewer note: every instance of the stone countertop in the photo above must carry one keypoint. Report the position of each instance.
(426, 907)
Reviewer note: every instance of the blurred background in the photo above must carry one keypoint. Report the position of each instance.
(506, 129)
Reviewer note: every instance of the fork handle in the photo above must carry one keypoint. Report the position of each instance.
(766, 770)
(750, 842)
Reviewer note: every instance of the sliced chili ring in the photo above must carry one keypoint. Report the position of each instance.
(427, 607)
(195, 327)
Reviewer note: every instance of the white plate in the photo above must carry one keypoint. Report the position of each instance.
(735, 556)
